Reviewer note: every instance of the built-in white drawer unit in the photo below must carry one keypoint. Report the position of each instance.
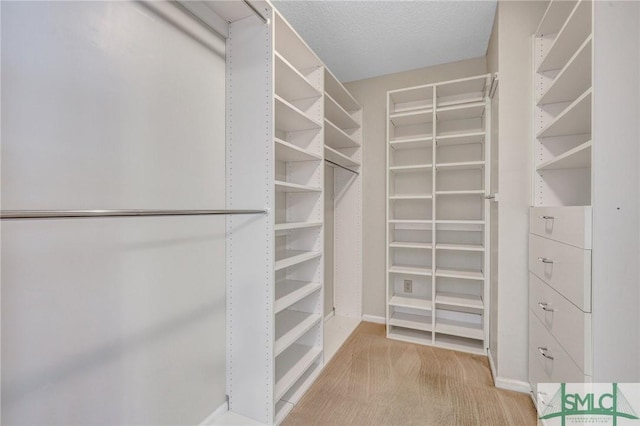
(548, 361)
(570, 225)
(564, 267)
(564, 320)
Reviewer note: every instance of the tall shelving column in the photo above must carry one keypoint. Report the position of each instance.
(299, 210)
(343, 150)
(410, 116)
(461, 213)
(437, 285)
(563, 47)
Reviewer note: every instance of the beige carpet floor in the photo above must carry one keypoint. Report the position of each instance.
(375, 381)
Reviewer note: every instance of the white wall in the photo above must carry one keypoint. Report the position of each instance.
(121, 320)
(372, 94)
(517, 21)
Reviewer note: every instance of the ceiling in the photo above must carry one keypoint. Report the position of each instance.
(362, 39)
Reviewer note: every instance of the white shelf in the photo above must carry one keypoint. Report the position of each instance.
(336, 90)
(337, 115)
(574, 78)
(410, 270)
(464, 90)
(460, 222)
(460, 300)
(412, 143)
(291, 365)
(474, 346)
(412, 321)
(409, 245)
(467, 192)
(554, 17)
(464, 165)
(576, 158)
(286, 151)
(290, 83)
(292, 226)
(411, 221)
(289, 292)
(460, 138)
(290, 326)
(288, 118)
(459, 328)
(288, 258)
(411, 197)
(465, 274)
(336, 138)
(282, 186)
(410, 302)
(574, 32)
(459, 247)
(411, 99)
(461, 112)
(283, 408)
(409, 335)
(295, 393)
(411, 118)
(292, 47)
(339, 158)
(574, 120)
(409, 169)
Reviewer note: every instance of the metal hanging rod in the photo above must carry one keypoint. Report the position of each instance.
(256, 11)
(65, 214)
(341, 166)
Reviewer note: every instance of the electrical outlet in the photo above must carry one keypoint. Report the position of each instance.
(408, 286)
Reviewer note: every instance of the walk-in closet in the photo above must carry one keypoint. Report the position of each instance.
(268, 212)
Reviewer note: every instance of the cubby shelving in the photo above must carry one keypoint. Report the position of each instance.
(573, 33)
(289, 292)
(342, 118)
(563, 56)
(437, 269)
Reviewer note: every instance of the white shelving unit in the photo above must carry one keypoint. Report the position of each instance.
(287, 115)
(437, 282)
(563, 53)
(585, 145)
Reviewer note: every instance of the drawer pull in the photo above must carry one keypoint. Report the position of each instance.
(547, 217)
(545, 260)
(545, 307)
(543, 352)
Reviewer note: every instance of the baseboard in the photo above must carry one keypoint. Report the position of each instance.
(218, 412)
(513, 385)
(374, 318)
(492, 366)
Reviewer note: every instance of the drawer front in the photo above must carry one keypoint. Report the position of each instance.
(570, 225)
(569, 325)
(556, 366)
(565, 268)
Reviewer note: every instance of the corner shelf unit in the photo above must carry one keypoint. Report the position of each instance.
(343, 125)
(437, 216)
(563, 99)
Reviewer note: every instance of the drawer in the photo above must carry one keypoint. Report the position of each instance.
(569, 325)
(565, 268)
(557, 366)
(570, 225)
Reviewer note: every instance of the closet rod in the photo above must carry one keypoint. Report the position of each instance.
(256, 11)
(342, 167)
(62, 214)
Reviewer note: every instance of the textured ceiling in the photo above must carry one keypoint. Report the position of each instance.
(362, 39)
